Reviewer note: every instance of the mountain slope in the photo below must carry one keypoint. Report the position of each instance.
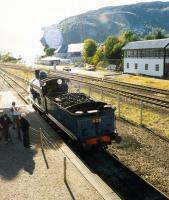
(99, 24)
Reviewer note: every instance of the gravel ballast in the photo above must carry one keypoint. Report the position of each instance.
(144, 153)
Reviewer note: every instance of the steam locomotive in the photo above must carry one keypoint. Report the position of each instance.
(86, 121)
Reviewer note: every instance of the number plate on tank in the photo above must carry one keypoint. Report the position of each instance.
(97, 120)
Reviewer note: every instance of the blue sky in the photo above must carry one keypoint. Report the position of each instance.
(21, 20)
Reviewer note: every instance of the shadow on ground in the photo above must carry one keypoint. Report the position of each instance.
(13, 158)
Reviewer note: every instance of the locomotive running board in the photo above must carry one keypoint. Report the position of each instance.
(62, 127)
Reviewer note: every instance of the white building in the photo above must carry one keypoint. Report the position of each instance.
(149, 57)
(52, 61)
(75, 51)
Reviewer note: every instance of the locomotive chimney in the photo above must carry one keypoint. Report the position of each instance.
(37, 71)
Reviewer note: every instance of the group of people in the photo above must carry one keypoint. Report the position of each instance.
(19, 123)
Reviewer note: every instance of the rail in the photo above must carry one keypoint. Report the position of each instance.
(121, 83)
(124, 93)
(47, 143)
(119, 178)
(104, 92)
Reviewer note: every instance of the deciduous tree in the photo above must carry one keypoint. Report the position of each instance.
(49, 51)
(99, 55)
(89, 49)
(128, 36)
(108, 46)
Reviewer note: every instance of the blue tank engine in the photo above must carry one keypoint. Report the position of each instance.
(85, 120)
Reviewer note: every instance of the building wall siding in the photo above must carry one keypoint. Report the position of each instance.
(141, 66)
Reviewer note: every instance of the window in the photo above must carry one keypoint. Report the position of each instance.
(148, 53)
(139, 53)
(130, 53)
(135, 53)
(146, 66)
(167, 53)
(157, 68)
(136, 66)
(127, 65)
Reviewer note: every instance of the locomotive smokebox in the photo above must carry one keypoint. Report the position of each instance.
(37, 71)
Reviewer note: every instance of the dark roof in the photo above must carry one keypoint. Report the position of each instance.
(147, 44)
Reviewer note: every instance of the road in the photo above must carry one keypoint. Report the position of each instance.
(77, 70)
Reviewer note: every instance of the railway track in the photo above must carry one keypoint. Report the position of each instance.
(107, 79)
(120, 178)
(123, 84)
(136, 86)
(24, 82)
(99, 84)
(20, 89)
(111, 89)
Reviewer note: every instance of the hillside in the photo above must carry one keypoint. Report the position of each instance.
(99, 24)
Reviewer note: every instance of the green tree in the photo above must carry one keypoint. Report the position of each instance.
(89, 50)
(156, 33)
(108, 46)
(99, 55)
(49, 51)
(117, 50)
(128, 36)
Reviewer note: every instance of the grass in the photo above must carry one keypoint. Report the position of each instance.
(145, 81)
(21, 73)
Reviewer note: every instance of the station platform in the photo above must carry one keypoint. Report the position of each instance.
(35, 174)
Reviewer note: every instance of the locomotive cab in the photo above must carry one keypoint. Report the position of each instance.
(54, 86)
(42, 87)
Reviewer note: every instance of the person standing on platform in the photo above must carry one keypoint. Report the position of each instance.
(1, 127)
(15, 117)
(6, 122)
(24, 124)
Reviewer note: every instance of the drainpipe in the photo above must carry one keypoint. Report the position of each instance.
(165, 59)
